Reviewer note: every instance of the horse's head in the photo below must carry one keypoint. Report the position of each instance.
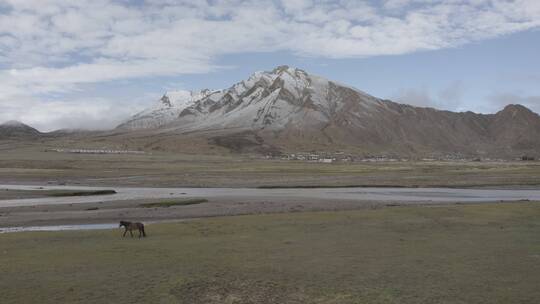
(122, 223)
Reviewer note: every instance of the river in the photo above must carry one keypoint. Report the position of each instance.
(366, 194)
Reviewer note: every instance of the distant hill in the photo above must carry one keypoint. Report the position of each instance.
(15, 129)
(287, 109)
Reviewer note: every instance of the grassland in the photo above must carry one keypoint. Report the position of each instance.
(160, 169)
(447, 254)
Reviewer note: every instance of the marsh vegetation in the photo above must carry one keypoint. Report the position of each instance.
(172, 203)
(22, 194)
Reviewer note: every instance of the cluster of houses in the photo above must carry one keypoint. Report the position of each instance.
(310, 156)
(331, 157)
(97, 151)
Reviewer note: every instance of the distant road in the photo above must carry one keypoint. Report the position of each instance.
(356, 194)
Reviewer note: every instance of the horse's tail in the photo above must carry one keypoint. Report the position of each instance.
(142, 229)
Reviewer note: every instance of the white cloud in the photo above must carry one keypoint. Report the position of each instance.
(41, 80)
(418, 97)
(448, 98)
(62, 114)
(51, 46)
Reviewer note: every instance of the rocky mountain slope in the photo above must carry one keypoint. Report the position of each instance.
(288, 109)
(15, 129)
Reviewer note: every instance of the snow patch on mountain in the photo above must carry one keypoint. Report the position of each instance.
(165, 110)
(270, 100)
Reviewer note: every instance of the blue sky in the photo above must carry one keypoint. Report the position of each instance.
(66, 64)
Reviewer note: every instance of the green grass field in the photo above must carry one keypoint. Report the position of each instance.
(450, 254)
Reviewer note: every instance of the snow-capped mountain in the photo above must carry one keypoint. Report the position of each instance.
(165, 110)
(282, 98)
(267, 100)
(290, 109)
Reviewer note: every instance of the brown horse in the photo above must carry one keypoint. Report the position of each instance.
(129, 226)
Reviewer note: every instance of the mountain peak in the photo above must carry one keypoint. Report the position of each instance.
(179, 98)
(13, 123)
(14, 129)
(287, 69)
(516, 111)
(277, 72)
(516, 107)
(267, 99)
(280, 68)
(165, 110)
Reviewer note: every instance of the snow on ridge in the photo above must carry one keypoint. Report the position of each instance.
(267, 99)
(177, 101)
(251, 109)
(166, 109)
(181, 98)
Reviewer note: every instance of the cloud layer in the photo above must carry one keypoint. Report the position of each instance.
(57, 46)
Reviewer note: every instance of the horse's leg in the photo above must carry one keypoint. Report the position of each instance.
(140, 233)
(131, 232)
(125, 231)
